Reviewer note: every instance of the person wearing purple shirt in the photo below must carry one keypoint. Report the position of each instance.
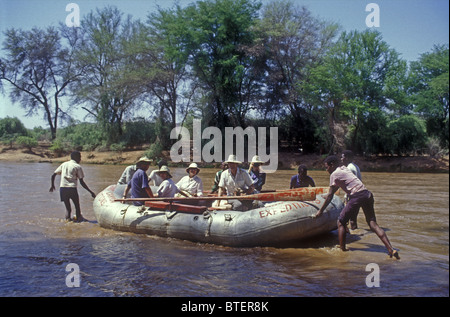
(301, 179)
(359, 196)
(139, 182)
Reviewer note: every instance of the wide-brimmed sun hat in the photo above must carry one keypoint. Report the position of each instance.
(144, 159)
(164, 169)
(257, 160)
(193, 166)
(232, 159)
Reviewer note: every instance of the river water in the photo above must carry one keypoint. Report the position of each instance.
(37, 246)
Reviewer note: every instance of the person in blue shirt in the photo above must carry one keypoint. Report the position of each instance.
(139, 182)
(257, 175)
(301, 179)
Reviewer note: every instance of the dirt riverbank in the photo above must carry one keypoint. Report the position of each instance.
(423, 164)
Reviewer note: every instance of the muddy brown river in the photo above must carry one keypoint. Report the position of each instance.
(38, 249)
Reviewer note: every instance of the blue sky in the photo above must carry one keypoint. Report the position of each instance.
(411, 27)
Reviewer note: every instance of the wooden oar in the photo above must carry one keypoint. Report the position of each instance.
(300, 194)
(317, 190)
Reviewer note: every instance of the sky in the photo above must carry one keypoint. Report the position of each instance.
(411, 27)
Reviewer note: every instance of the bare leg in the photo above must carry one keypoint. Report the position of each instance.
(383, 237)
(68, 209)
(342, 231)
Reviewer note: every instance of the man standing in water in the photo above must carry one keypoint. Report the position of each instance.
(359, 196)
(71, 172)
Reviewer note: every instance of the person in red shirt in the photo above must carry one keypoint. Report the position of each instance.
(359, 196)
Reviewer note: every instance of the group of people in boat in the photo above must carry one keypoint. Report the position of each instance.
(231, 181)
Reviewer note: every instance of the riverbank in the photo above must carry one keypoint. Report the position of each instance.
(286, 160)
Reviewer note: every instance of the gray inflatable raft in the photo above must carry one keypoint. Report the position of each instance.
(274, 224)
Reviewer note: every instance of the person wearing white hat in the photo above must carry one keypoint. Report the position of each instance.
(168, 188)
(129, 171)
(191, 184)
(258, 176)
(154, 174)
(139, 182)
(235, 180)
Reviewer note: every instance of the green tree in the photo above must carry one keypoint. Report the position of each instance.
(429, 79)
(361, 78)
(39, 69)
(218, 33)
(295, 42)
(408, 135)
(26, 141)
(160, 68)
(104, 88)
(10, 129)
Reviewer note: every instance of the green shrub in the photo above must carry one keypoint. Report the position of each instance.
(60, 147)
(26, 141)
(12, 126)
(154, 151)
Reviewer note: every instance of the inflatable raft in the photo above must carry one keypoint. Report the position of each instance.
(274, 224)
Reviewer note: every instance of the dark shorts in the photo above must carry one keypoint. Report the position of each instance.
(362, 200)
(67, 193)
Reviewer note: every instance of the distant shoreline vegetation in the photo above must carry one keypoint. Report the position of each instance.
(230, 63)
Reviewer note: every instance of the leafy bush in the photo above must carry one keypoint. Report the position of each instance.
(11, 126)
(26, 141)
(60, 147)
(83, 136)
(40, 134)
(409, 134)
(117, 147)
(138, 132)
(154, 151)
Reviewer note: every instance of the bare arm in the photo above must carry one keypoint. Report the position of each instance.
(125, 193)
(86, 187)
(52, 187)
(331, 192)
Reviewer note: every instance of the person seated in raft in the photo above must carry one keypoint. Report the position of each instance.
(168, 188)
(215, 187)
(301, 179)
(139, 182)
(128, 173)
(235, 180)
(191, 184)
(154, 174)
(256, 174)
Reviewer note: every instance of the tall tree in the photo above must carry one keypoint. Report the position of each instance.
(104, 88)
(39, 69)
(167, 78)
(218, 32)
(430, 91)
(295, 43)
(357, 84)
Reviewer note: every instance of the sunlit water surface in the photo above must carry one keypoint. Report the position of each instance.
(36, 245)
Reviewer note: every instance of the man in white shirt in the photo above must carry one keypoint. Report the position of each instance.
(127, 175)
(71, 172)
(234, 181)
